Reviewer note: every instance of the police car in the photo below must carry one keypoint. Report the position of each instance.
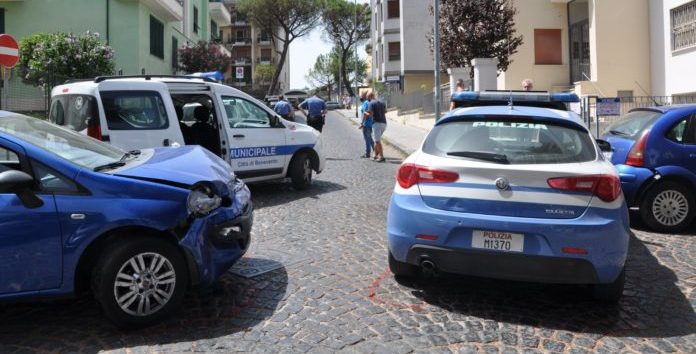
(517, 191)
(136, 112)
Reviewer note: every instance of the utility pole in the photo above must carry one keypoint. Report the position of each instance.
(436, 38)
(355, 93)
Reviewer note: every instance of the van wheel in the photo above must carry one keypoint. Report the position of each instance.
(140, 281)
(667, 207)
(401, 269)
(610, 293)
(301, 171)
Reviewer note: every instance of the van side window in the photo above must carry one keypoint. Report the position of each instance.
(73, 111)
(134, 110)
(244, 114)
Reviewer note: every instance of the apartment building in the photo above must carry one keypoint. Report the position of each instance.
(250, 47)
(401, 55)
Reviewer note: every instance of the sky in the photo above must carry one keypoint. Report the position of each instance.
(304, 52)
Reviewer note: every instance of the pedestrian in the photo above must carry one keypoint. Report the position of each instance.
(376, 110)
(315, 111)
(527, 84)
(284, 109)
(366, 126)
(458, 88)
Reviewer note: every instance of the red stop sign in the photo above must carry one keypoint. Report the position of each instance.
(9, 51)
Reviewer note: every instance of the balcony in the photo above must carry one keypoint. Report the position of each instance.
(265, 60)
(168, 10)
(239, 20)
(240, 41)
(242, 61)
(263, 40)
(219, 13)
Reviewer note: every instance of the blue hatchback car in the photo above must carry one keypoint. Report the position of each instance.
(511, 192)
(655, 154)
(136, 228)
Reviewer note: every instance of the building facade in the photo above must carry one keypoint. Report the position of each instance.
(251, 47)
(400, 51)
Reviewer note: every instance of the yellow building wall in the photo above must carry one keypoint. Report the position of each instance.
(418, 83)
(620, 46)
(533, 14)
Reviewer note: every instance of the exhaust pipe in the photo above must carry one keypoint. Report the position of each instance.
(428, 267)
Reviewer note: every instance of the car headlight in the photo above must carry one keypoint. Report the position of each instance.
(202, 200)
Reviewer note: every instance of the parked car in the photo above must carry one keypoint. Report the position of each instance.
(654, 150)
(511, 192)
(331, 105)
(136, 228)
(149, 111)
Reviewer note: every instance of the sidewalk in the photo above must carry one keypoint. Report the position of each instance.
(404, 138)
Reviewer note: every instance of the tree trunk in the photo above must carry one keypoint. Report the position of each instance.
(329, 86)
(281, 63)
(343, 72)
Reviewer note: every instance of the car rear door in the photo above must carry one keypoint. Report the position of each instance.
(138, 114)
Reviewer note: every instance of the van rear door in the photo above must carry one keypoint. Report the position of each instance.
(138, 114)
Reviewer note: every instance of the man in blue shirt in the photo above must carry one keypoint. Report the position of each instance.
(366, 126)
(376, 110)
(316, 109)
(284, 109)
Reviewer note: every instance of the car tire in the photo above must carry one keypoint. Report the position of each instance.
(151, 294)
(668, 207)
(401, 269)
(301, 171)
(610, 293)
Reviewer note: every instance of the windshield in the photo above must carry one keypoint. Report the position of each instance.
(632, 124)
(507, 141)
(67, 144)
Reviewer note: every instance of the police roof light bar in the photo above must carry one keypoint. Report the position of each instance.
(515, 96)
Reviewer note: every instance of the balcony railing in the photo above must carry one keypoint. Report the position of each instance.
(241, 41)
(242, 61)
(263, 40)
(265, 60)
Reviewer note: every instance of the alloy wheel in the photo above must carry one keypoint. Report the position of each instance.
(144, 284)
(670, 207)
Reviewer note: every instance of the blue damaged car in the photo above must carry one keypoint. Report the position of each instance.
(136, 228)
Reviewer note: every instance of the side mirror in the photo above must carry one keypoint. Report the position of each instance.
(20, 183)
(274, 121)
(604, 145)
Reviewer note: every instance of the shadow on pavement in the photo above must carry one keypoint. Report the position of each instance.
(231, 305)
(638, 224)
(652, 306)
(268, 194)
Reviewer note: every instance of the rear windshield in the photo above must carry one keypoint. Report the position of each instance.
(73, 111)
(134, 110)
(510, 141)
(632, 124)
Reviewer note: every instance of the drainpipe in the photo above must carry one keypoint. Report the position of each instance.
(107, 22)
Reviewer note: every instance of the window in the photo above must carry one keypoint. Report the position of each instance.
(393, 9)
(632, 124)
(8, 160)
(2, 20)
(676, 134)
(175, 54)
(684, 26)
(547, 47)
(73, 111)
(51, 181)
(244, 114)
(134, 110)
(213, 30)
(156, 38)
(195, 19)
(394, 51)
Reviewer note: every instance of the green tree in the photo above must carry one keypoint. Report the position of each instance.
(264, 73)
(203, 57)
(346, 25)
(47, 58)
(345, 70)
(286, 20)
(477, 29)
(322, 74)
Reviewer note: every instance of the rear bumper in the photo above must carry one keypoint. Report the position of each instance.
(604, 233)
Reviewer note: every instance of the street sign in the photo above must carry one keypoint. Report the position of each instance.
(239, 72)
(9, 51)
(610, 106)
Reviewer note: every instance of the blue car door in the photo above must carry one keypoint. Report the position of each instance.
(30, 238)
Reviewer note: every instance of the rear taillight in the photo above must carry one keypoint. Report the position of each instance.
(636, 157)
(411, 174)
(605, 187)
(94, 128)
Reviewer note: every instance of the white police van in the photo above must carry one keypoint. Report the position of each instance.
(134, 112)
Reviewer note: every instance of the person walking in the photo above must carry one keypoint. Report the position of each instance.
(459, 88)
(315, 111)
(284, 109)
(366, 126)
(376, 110)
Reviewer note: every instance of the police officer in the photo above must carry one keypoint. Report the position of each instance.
(316, 110)
(284, 109)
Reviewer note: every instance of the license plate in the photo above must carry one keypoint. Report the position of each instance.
(497, 240)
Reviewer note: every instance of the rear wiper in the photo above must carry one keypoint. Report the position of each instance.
(618, 132)
(486, 156)
(110, 166)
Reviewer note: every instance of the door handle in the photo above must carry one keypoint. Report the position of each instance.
(238, 136)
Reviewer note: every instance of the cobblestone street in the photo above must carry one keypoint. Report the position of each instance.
(342, 297)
